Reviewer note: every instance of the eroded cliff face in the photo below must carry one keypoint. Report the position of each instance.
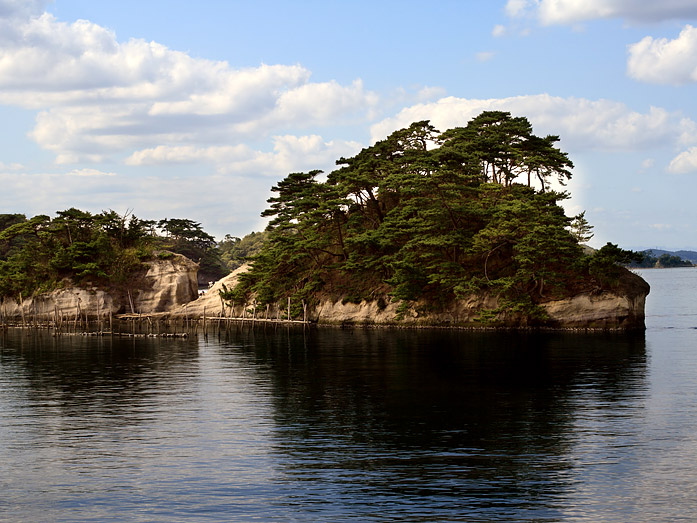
(168, 284)
(164, 285)
(210, 301)
(619, 309)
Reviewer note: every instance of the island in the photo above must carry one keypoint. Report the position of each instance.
(461, 228)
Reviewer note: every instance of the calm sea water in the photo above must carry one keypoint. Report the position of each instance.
(337, 425)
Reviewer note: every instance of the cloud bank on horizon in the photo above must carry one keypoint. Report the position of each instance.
(131, 123)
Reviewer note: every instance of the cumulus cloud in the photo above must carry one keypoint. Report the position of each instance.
(685, 162)
(582, 124)
(665, 61)
(570, 12)
(97, 96)
(289, 152)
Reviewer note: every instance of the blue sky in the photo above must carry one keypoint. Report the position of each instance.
(184, 109)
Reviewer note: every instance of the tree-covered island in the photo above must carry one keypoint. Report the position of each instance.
(426, 219)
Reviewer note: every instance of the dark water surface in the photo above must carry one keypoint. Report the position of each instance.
(336, 425)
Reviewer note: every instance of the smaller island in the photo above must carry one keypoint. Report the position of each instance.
(652, 259)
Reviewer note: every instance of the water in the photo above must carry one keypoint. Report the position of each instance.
(340, 425)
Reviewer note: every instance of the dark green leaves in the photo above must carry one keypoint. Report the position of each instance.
(425, 215)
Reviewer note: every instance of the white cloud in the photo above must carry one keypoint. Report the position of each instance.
(574, 11)
(89, 172)
(661, 226)
(518, 7)
(485, 56)
(664, 61)
(685, 162)
(97, 96)
(10, 167)
(289, 152)
(430, 93)
(21, 9)
(498, 31)
(582, 124)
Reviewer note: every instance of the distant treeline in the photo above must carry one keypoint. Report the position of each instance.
(651, 259)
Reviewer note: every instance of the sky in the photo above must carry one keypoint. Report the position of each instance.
(180, 109)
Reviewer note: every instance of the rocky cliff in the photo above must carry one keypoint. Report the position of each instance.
(162, 285)
(170, 286)
(619, 309)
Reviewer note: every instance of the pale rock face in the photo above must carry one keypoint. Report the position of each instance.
(167, 284)
(619, 310)
(604, 311)
(211, 299)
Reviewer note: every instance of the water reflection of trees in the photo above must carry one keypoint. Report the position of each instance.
(484, 421)
(112, 380)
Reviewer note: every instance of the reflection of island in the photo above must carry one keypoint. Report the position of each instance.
(481, 420)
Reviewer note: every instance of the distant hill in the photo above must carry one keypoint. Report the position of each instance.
(685, 255)
(662, 258)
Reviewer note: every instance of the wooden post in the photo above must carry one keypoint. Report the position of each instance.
(21, 309)
(304, 312)
(288, 308)
(266, 316)
(205, 333)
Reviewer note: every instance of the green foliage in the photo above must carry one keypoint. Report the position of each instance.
(188, 238)
(424, 214)
(605, 263)
(101, 249)
(234, 252)
(580, 228)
